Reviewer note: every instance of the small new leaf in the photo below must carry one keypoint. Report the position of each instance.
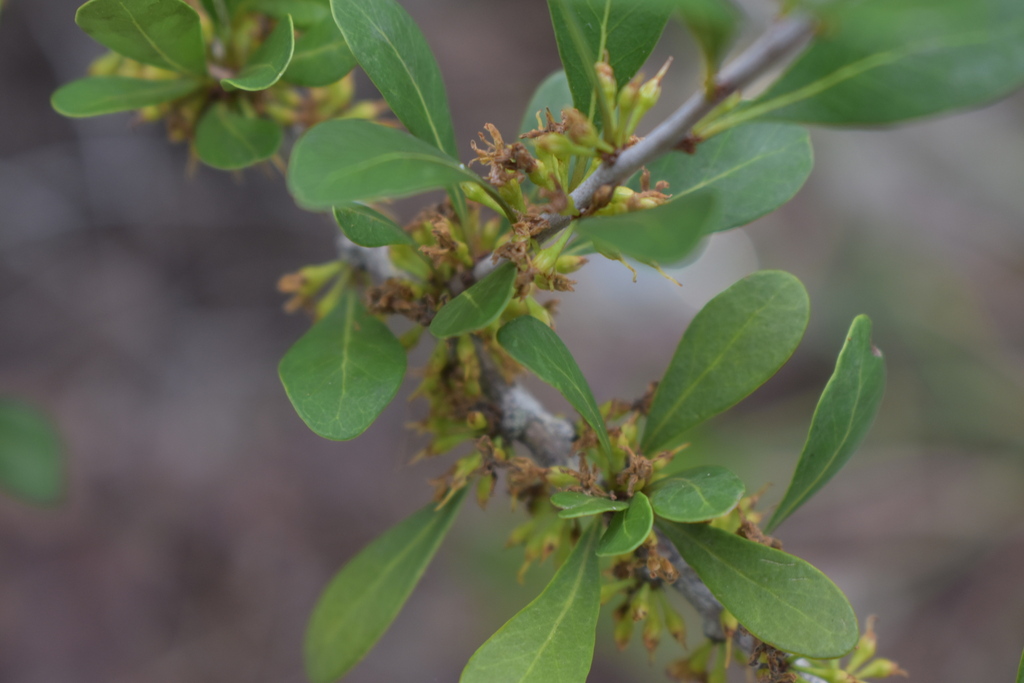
(733, 346)
(779, 598)
(108, 94)
(844, 414)
(267, 64)
(228, 140)
(628, 528)
(697, 495)
(344, 371)
(348, 160)
(164, 33)
(369, 228)
(362, 600)
(575, 504)
(478, 306)
(552, 639)
(537, 347)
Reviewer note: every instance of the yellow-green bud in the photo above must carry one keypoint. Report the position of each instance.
(652, 628)
(623, 632)
(560, 478)
(569, 263)
(674, 622)
(610, 590)
(640, 605)
(881, 668)
(866, 646)
(484, 489)
(105, 65)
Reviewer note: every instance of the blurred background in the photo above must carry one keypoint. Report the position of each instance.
(138, 307)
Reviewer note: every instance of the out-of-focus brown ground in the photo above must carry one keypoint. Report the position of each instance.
(137, 305)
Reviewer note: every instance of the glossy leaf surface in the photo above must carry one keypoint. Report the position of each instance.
(779, 598)
(362, 600)
(552, 639)
(537, 347)
(31, 455)
(164, 33)
(733, 346)
(344, 371)
(842, 419)
(303, 12)
(552, 94)
(344, 161)
(369, 228)
(478, 306)
(697, 494)
(228, 140)
(628, 528)
(754, 169)
(882, 61)
(575, 504)
(269, 61)
(108, 94)
(321, 57)
(393, 52)
(662, 235)
(627, 29)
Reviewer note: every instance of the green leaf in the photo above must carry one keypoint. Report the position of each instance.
(303, 12)
(344, 371)
(164, 33)
(31, 455)
(575, 504)
(362, 600)
(369, 228)
(395, 55)
(227, 140)
(844, 414)
(779, 598)
(627, 29)
(108, 94)
(537, 347)
(552, 94)
(697, 495)
(754, 168)
(478, 306)
(883, 61)
(628, 528)
(713, 23)
(736, 342)
(268, 62)
(662, 235)
(322, 57)
(348, 160)
(1020, 669)
(552, 639)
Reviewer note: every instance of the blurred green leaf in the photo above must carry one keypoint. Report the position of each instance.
(733, 346)
(1020, 669)
(575, 504)
(164, 33)
(662, 235)
(537, 347)
(221, 11)
(779, 598)
(393, 52)
(303, 12)
(268, 62)
(108, 94)
(628, 528)
(842, 419)
(362, 600)
(552, 93)
(369, 228)
(714, 24)
(344, 371)
(31, 455)
(754, 168)
(478, 306)
(697, 494)
(552, 639)
(322, 57)
(348, 160)
(228, 140)
(627, 29)
(882, 61)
